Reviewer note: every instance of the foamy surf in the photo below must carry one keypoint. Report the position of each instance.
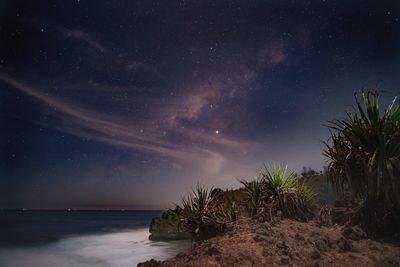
(123, 248)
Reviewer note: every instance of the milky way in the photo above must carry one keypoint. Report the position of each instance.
(127, 104)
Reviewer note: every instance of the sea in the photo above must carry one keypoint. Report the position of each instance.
(80, 238)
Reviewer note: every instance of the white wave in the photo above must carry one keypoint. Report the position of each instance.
(112, 249)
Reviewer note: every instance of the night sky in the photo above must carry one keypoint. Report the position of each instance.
(127, 104)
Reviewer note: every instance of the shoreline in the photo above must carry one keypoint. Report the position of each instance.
(120, 248)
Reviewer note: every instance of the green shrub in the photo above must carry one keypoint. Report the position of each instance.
(279, 179)
(205, 214)
(196, 210)
(307, 197)
(364, 155)
(226, 213)
(255, 193)
(283, 187)
(275, 189)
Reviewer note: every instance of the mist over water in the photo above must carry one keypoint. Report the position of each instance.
(116, 247)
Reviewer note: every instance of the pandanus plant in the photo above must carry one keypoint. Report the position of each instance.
(203, 215)
(196, 210)
(364, 156)
(277, 188)
(291, 196)
(255, 193)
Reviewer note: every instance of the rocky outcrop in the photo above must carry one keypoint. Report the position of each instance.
(168, 226)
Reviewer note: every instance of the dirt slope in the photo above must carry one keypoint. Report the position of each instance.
(288, 243)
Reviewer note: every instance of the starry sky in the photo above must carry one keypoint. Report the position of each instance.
(127, 104)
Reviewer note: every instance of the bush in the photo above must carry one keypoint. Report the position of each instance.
(292, 197)
(279, 189)
(364, 155)
(205, 214)
(168, 226)
(307, 197)
(255, 194)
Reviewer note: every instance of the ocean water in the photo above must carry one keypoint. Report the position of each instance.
(80, 238)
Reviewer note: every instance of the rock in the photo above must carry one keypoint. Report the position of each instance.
(150, 263)
(168, 226)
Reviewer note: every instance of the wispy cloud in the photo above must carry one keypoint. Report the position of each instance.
(82, 36)
(192, 147)
(171, 128)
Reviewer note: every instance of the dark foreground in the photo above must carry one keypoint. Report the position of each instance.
(288, 243)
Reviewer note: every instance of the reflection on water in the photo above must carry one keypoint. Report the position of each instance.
(113, 249)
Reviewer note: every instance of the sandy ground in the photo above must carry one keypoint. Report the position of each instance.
(287, 243)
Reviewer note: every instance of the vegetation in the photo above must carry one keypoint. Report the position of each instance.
(209, 212)
(307, 197)
(168, 226)
(364, 155)
(205, 214)
(173, 217)
(291, 196)
(277, 189)
(196, 210)
(364, 158)
(255, 194)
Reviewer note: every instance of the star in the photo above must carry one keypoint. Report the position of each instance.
(217, 131)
